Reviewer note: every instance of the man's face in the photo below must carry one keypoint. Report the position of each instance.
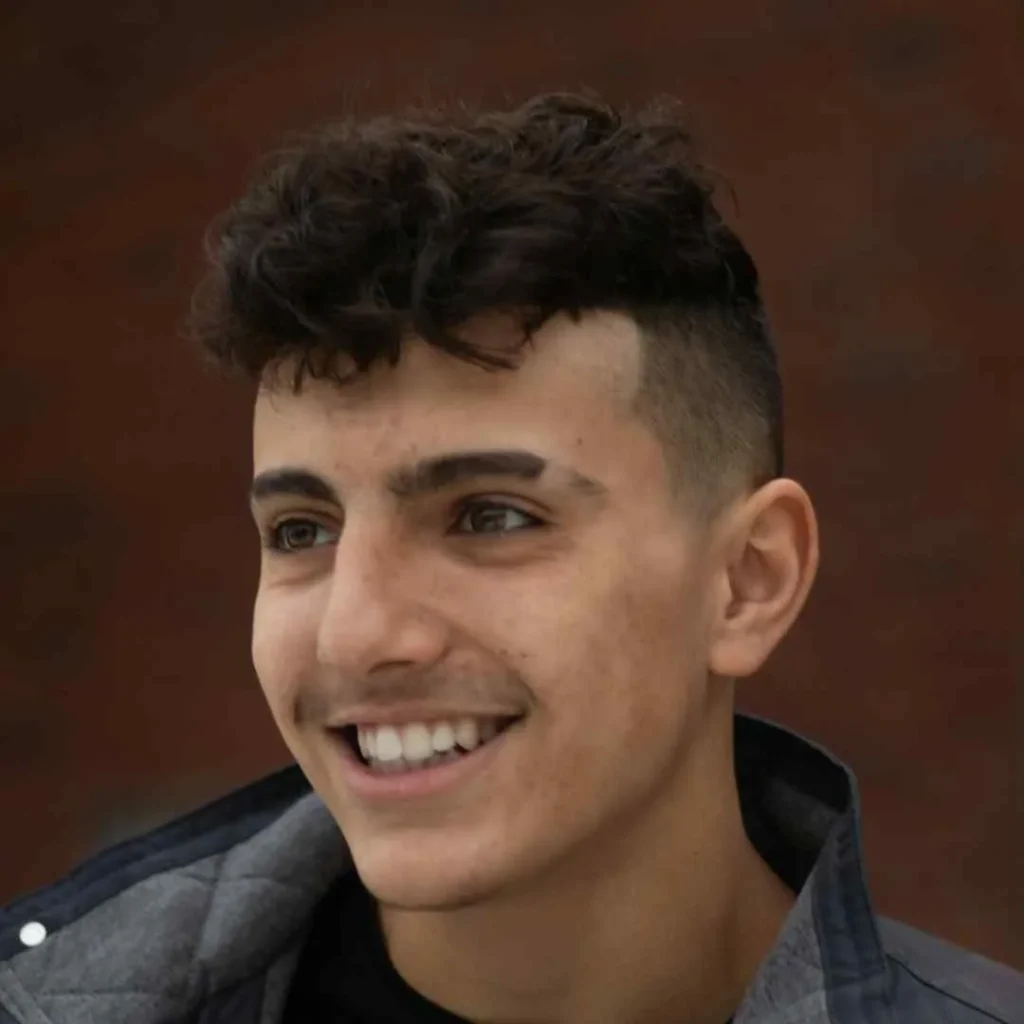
(558, 596)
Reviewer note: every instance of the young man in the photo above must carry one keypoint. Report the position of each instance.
(519, 482)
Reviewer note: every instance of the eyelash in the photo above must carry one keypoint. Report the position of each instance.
(272, 536)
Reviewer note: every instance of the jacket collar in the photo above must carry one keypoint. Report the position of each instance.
(828, 964)
(153, 928)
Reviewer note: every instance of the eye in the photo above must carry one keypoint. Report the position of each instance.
(293, 535)
(492, 517)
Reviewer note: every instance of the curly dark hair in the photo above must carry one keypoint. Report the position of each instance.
(368, 232)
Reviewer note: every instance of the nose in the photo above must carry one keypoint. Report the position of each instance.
(376, 617)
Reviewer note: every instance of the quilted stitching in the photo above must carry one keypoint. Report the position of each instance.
(194, 931)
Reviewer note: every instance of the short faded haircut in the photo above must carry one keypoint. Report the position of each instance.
(366, 233)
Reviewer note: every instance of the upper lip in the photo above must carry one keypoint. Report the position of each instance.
(408, 714)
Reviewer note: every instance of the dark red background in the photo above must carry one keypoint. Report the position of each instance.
(875, 150)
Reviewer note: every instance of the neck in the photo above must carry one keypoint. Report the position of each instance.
(667, 919)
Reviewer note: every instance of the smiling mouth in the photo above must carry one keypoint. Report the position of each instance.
(414, 746)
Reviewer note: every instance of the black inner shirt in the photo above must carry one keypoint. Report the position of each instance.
(345, 975)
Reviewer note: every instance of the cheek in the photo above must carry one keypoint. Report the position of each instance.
(609, 650)
(627, 665)
(613, 663)
(283, 647)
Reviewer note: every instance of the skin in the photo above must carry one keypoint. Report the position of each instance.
(597, 868)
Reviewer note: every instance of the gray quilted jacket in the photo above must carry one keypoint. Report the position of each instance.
(202, 921)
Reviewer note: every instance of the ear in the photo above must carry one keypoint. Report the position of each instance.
(770, 559)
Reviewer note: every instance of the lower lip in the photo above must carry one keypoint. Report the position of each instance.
(366, 784)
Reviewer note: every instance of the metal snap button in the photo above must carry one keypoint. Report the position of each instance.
(32, 934)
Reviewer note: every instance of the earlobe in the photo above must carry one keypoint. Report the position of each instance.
(769, 573)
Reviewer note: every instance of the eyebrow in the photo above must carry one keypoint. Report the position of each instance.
(425, 477)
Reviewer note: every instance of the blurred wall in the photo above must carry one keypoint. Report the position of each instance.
(875, 150)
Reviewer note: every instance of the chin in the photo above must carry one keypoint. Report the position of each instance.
(413, 874)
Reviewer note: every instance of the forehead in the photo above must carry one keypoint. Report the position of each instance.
(569, 398)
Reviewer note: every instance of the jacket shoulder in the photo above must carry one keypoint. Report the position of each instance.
(208, 831)
(936, 980)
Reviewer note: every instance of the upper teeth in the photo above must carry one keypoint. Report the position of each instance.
(418, 741)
